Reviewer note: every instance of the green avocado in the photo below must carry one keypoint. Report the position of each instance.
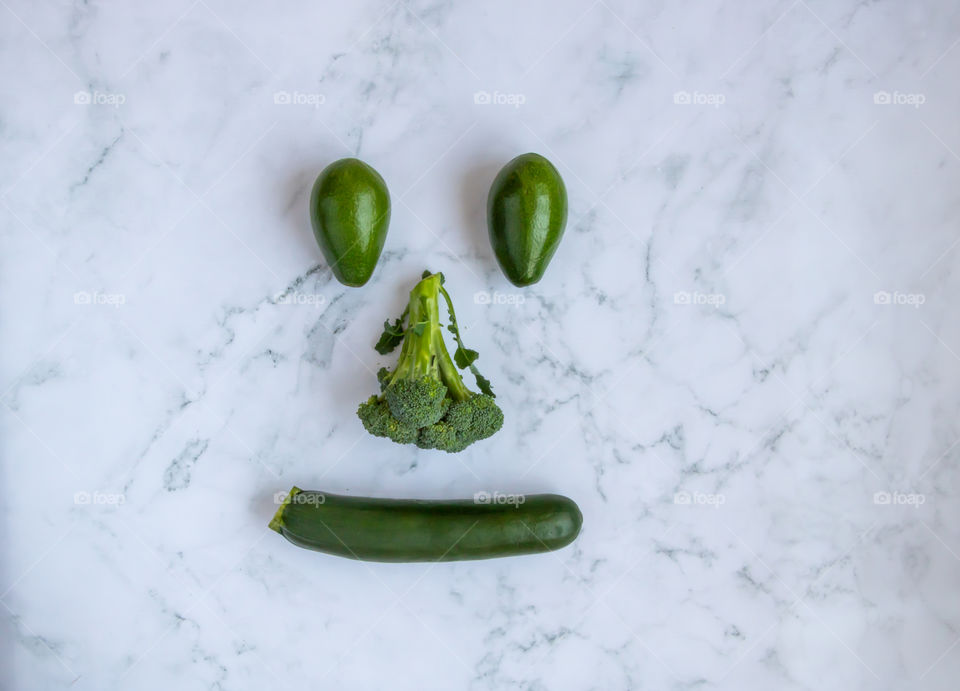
(350, 214)
(526, 216)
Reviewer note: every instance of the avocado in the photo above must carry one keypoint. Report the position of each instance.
(526, 217)
(350, 214)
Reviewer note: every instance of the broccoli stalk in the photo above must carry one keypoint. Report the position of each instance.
(424, 400)
(413, 391)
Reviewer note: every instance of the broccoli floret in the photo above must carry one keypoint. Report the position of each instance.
(418, 402)
(378, 421)
(467, 421)
(423, 399)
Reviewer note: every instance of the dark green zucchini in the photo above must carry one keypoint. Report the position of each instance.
(410, 530)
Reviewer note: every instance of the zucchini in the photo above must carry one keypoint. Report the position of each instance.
(416, 530)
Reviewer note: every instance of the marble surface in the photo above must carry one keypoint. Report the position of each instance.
(742, 363)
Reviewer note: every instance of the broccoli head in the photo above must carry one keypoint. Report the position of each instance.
(424, 400)
(467, 421)
(380, 422)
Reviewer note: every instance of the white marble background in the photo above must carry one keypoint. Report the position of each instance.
(748, 333)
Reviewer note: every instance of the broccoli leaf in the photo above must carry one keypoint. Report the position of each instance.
(465, 357)
(392, 335)
(483, 383)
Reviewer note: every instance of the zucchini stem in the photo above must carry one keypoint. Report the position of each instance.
(277, 521)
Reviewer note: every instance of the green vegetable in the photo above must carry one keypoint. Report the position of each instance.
(350, 214)
(423, 400)
(410, 530)
(526, 217)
